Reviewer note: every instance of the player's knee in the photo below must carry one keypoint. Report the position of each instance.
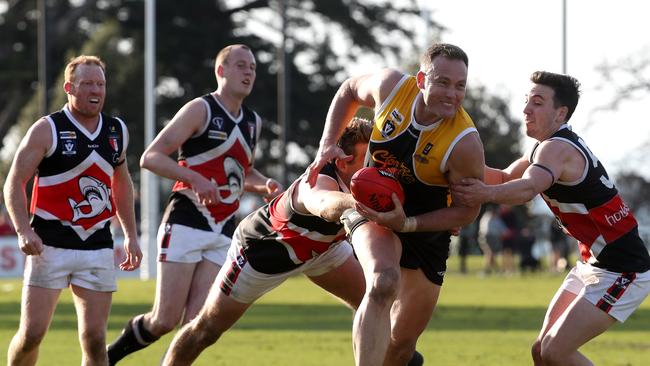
(551, 355)
(536, 351)
(402, 350)
(31, 338)
(204, 330)
(384, 286)
(93, 340)
(160, 327)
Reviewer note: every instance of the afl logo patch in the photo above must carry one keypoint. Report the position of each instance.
(388, 129)
(69, 147)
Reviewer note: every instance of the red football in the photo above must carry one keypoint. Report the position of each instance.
(373, 187)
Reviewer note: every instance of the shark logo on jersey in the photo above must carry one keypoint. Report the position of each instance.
(235, 175)
(97, 199)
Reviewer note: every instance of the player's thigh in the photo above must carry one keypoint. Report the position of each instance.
(559, 304)
(414, 305)
(172, 288)
(37, 308)
(376, 247)
(345, 281)
(220, 311)
(581, 322)
(203, 278)
(92, 308)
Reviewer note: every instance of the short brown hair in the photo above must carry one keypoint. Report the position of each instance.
(81, 60)
(357, 131)
(222, 56)
(447, 50)
(566, 88)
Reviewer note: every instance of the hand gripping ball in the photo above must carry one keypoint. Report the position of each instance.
(373, 187)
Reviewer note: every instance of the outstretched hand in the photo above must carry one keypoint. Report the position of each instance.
(324, 155)
(393, 219)
(470, 192)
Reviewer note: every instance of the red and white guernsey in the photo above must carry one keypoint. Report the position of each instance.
(277, 239)
(222, 152)
(72, 201)
(591, 210)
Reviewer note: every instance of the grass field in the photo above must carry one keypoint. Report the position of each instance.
(479, 321)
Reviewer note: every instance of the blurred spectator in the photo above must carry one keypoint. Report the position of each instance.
(527, 261)
(466, 241)
(510, 238)
(490, 231)
(559, 259)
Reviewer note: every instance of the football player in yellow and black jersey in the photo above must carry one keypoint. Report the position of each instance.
(423, 135)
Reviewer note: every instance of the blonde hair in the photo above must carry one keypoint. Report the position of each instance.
(81, 60)
(222, 56)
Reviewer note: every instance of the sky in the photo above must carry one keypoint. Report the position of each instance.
(506, 40)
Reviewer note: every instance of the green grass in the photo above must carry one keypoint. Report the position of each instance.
(478, 321)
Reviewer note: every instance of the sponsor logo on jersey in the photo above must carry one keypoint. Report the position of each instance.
(67, 135)
(385, 160)
(623, 212)
(69, 147)
(93, 146)
(427, 148)
(422, 158)
(217, 135)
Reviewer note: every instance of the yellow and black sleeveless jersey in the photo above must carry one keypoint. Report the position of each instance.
(416, 154)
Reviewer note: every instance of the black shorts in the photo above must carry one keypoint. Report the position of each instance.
(428, 251)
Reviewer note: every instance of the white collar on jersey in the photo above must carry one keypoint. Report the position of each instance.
(91, 136)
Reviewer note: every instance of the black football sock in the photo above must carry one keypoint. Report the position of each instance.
(134, 337)
(416, 359)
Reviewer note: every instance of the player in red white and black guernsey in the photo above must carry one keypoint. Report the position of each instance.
(297, 233)
(77, 156)
(612, 277)
(215, 136)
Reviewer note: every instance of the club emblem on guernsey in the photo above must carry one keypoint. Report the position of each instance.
(97, 199)
(235, 175)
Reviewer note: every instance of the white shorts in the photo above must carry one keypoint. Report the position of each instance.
(57, 268)
(180, 243)
(617, 294)
(240, 281)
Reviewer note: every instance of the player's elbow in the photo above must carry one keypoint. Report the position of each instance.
(146, 160)
(470, 214)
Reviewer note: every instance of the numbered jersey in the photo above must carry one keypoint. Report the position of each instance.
(72, 201)
(417, 154)
(278, 239)
(223, 152)
(591, 210)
